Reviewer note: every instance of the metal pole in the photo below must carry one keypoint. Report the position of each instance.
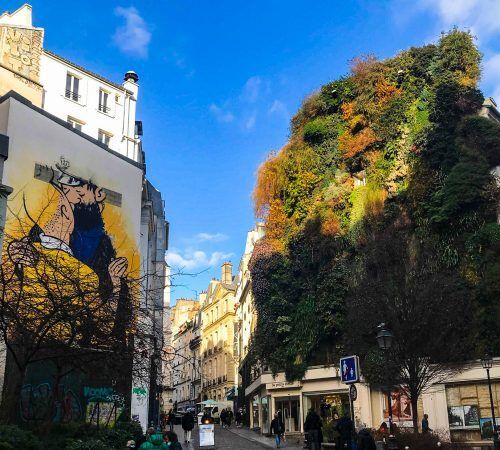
(389, 409)
(496, 442)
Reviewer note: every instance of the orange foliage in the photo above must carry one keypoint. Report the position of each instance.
(266, 186)
(347, 110)
(276, 224)
(351, 145)
(330, 226)
(385, 92)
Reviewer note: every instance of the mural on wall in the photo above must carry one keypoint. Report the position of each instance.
(69, 278)
(39, 402)
(66, 255)
(104, 405)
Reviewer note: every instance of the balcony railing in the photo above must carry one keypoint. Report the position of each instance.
(73, 95)
(104, 109)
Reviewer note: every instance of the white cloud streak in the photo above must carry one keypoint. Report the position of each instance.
(197, 259)
(134, 37)
(210, 237)
(222, 115)
(251, 89)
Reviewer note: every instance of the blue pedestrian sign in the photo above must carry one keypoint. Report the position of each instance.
(349, 369)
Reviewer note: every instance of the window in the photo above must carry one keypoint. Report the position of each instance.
(75, 123)
(72, 87)
(103, 101)
(104, 137)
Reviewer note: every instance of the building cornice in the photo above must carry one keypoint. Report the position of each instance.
(23, 100)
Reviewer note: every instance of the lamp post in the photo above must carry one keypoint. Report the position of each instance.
(384, 339)
(487, 363)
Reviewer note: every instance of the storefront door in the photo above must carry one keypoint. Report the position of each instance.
(288, 409)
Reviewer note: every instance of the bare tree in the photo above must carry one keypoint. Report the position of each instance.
(403, 282)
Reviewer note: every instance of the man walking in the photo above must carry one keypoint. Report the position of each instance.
(187, 426)
(312, 426)
(277, 428)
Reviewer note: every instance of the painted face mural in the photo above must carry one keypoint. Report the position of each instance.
(63, 262)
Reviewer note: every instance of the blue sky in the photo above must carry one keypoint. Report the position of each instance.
(221, 79)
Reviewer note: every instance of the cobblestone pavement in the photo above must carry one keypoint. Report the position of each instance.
(234, 439)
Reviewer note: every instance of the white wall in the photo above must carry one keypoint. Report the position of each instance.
(119, 121)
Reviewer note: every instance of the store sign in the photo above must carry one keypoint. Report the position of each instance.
(284, 385)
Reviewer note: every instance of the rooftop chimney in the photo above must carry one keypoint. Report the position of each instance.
(131, 76)
(227, 272)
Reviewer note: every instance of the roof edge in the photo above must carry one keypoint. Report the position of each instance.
(16, 96)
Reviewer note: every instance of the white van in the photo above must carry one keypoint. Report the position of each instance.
(214, 409)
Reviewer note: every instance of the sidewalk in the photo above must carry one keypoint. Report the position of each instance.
(269, 442)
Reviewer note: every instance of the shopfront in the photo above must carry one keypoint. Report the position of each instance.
(288, 409)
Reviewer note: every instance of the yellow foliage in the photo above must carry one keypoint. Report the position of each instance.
(385, 92)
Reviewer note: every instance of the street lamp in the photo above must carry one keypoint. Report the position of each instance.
(487, 363)
(384, 339)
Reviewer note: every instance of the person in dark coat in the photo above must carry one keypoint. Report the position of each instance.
(238, 417)
(313, 426)
(345, 429)
(229, 417)
(277, 428)
(187, 425)
(425, 424)
(365, 440)
(223, 418)
(171, 420)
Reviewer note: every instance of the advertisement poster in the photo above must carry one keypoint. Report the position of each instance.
(207, 435)
(401, 407)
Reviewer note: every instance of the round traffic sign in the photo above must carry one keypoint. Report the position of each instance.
(353, 392)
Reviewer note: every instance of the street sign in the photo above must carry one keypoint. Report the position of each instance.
(353, 392)
(349, 369)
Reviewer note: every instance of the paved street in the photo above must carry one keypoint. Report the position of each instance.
(234, 439)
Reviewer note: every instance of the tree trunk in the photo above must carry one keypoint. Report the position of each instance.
(414, 407)
(14, 380)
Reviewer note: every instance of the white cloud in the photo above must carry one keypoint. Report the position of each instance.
(212, 237)
(279, 108)
(492, 76)
(197, 259)
(480, 16)
(134, 37)
(221, 114)
(249, 122)
(251, 90)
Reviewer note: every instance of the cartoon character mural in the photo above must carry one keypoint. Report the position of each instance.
(72, 253)
(68, 269)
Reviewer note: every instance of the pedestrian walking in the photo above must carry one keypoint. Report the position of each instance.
(277, 428)
(238, 418)
(425, 424)
(345, 428)
(172, 442)
(171, 420)
(223, 418)
(313, 426)
(229, 417)
(187, 425)
(365, 440)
